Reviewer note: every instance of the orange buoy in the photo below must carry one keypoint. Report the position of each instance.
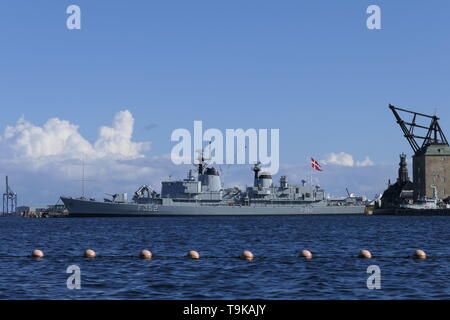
(37, 254)
(419, 254)
(193, 255)
(247, 255)
(146, 255)
(90, 254)
(306, 254)
(365, 254)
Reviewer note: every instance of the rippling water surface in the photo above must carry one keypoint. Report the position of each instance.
(276, 273)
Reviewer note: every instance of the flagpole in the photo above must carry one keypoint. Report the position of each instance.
(315, 166)
(311, 180)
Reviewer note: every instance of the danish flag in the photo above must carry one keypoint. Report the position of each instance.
(315, 165)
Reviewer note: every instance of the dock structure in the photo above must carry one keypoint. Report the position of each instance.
(431, 159)
(50, 211)
(9, 200)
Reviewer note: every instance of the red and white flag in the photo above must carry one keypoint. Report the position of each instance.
(315, 165)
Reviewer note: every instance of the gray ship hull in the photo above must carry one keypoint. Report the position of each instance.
(90, 208)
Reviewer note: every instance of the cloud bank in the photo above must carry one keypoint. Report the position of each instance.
(61, 138)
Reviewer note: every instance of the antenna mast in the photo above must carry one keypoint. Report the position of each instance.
(83, 177)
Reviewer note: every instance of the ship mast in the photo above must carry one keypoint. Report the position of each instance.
(202, 160)
(256, 169)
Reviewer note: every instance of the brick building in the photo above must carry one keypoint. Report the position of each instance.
(431, 167)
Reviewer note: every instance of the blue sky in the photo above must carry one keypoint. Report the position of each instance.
(310, 68)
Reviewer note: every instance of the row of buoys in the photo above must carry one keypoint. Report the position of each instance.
(246, 255)
(418, 254)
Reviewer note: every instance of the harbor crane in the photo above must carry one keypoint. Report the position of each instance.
(434, 133)
(9, 199)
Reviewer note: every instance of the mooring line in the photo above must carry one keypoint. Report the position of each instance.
(246, 255)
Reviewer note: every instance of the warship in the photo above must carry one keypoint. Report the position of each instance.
(202, 194)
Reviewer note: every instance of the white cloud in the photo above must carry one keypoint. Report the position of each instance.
(116, 140)
(365, 163)
(61, 138)
(346, 160)
(55, 138)
(339, 159)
